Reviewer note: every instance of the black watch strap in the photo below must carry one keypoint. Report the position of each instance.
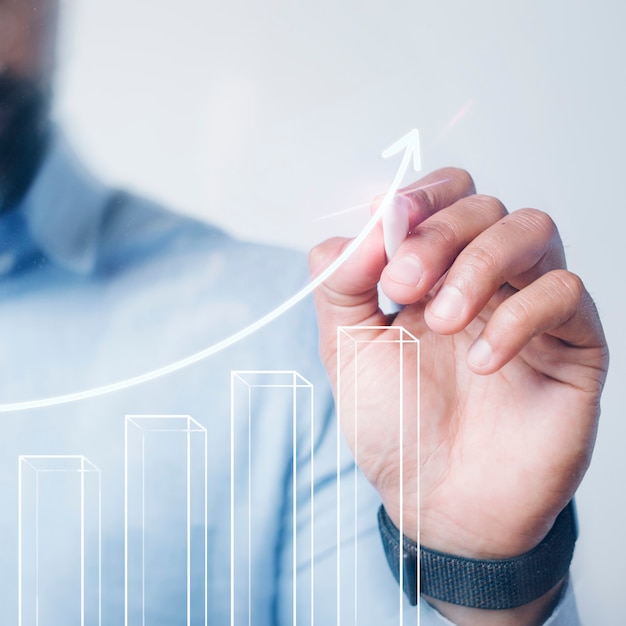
(486, 584)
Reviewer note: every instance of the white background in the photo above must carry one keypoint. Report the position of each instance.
(266, 117)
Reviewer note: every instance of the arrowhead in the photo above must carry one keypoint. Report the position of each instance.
(411, 144)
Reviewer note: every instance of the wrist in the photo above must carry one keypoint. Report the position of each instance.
(531, 579)
(496, 533)
(503, 540)
(408, 522)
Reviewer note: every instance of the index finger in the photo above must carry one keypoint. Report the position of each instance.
(434, 192)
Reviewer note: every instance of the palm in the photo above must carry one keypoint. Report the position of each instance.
(490, 445)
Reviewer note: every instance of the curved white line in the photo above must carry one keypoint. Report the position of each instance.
(243, 333)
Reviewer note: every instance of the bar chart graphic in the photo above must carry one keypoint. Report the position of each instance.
(250, 392)
(166, 516)
(59, 541)
(377, 362)
(165, 520)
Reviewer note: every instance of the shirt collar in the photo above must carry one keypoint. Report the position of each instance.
(64, 208)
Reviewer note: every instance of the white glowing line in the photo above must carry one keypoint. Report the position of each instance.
(407, 143)
(356, 207)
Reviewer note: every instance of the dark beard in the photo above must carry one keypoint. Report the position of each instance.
(24, 131)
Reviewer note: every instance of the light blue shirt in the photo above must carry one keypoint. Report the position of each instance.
(99, 286)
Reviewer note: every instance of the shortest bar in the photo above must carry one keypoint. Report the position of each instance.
(59, 542)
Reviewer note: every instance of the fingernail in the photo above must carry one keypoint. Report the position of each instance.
(448, 303)
(406, 270)
(480, 354)
(401, 203)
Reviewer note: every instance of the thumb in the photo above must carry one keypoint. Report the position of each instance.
(349, 297)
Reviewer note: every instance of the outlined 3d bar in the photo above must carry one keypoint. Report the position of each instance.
(255, 394)
(59, 541)
(165, 521)
(375, 361)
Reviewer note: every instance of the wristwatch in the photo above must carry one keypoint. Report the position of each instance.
(496, 584)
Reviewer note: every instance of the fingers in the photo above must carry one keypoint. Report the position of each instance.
(517, 250)
(349, 296)
(478, 248)
(434, 245)
(431, 194)
(436, 192)
(477, 255)
(481, 256)
(556, 304)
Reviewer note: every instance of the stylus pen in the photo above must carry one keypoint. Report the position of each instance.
(395, 222)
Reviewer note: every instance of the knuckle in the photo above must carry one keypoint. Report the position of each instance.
(489, 204)
(462, 177)
(516, 311)
(479, 262)
(420, 198)
(314, 258)
(568, 284)
(323, 253)
(538, 221)
(317, 255)
(441, 233)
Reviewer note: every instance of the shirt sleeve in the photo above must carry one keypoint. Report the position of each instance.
(566, 613)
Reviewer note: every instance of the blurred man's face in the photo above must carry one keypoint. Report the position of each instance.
(27, 31)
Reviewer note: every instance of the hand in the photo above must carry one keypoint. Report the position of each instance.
(513, 360)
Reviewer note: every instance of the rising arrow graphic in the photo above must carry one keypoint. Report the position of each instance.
(409, 143)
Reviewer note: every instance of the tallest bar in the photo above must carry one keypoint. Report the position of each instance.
(378, 408)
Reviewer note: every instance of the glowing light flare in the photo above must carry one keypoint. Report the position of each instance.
(365, 205)
(456, 118)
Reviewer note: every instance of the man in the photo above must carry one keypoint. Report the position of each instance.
(99, 286)
(144, 287)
